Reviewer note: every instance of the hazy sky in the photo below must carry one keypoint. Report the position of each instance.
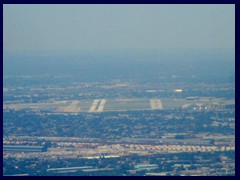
(100, 27)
